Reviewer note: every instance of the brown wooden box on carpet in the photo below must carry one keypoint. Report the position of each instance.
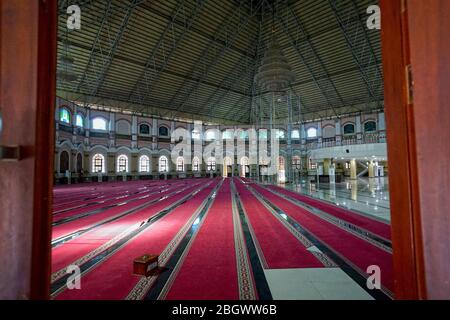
(145, 265)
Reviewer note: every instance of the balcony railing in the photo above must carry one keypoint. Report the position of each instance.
(349, 139)
(328, 142)
(371, 137)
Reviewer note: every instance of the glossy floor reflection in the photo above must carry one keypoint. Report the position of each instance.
(367, 196)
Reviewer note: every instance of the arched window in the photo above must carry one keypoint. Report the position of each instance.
(79, 120)
(295, 134)
(63, 162)
(245, 169)
(163, 164)
(144, 164)
(123, 127)
(328, 132)
(211, 164)
(195, 164)
(180, 164)
(311, 133)
(122, 163)
(99, 123)
(370, 126)
(243, 134)
(244, 161)
(79, 163)
(195, 135)
(280, 134)
(349, 128)
(144, 129)
(163, 131)
(296, 162)
(263, 134)
(98, 163)
(227, 135)
(228, 161)
(64, 115)
(210, 135)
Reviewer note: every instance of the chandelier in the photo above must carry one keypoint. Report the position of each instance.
(275, 73)
(65, 72)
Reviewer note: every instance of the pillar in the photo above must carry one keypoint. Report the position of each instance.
(87, 127)
(134, 165)
(358, 129)
(319, 134)
(338, 132)
(353, 169)
(326, 166)
(134, 132)
(372, 168)
(111, 166)
(154, 166)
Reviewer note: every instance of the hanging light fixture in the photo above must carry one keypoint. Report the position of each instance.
(65, 72)
(275, 73)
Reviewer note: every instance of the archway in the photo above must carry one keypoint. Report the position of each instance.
(245, 167)
(227, 167)
(63, 162)
(281, 176)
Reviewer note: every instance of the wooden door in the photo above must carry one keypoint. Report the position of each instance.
(416, 64)
(27, 98)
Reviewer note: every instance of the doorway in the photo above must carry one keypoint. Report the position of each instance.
(418, 217)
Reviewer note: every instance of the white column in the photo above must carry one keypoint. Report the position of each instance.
(134, 131)
(358, 124)
(154, 133)
(112, 122)
(338, 132)
(112, 129)
(87, 126)
(358, 129)
(353, 169)
(154, 127)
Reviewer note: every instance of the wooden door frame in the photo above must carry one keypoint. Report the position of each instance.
(406, 234)
(44, 152)
(409, 281)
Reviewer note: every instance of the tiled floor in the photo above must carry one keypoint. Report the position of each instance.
(313, 284)
(367, 196)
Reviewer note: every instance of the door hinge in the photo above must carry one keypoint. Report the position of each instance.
(10, 153)
(409, 84)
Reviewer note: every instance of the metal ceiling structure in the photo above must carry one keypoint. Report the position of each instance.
(196, 59)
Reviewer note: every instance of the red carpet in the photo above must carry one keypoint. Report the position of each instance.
(281, 249)
(85, 222)
(77, 248)
(113, 278)
(209, 270)
(107, 196)
(375, 226)
(69, 196)
(356, 250)
(121, 197)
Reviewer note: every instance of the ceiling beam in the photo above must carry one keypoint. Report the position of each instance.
(309, 57)
(209, 59)
(358, 42)
(159, 59)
